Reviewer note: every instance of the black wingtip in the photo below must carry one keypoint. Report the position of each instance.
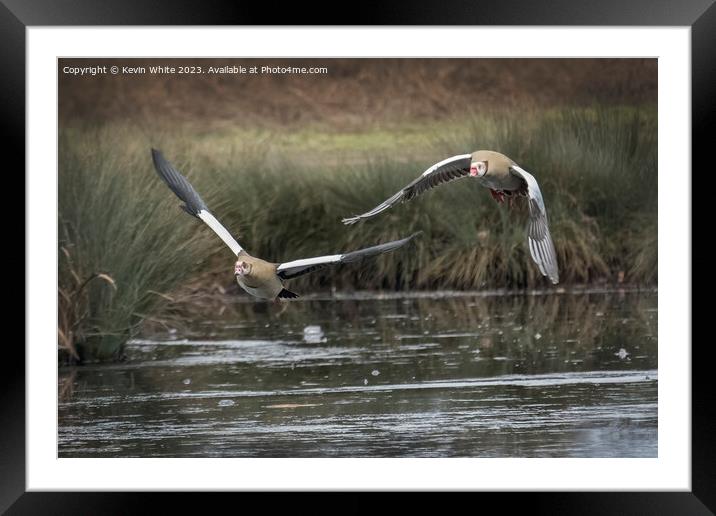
(375, 250)
(411, 237)
(158, 159)
(178, 184)
(287, 294)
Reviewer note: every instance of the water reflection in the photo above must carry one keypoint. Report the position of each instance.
(470, 375)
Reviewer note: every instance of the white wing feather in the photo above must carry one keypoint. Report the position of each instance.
(318, 260)
(220, 230)
(538, 236)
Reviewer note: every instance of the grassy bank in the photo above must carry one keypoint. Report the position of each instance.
(126, 248)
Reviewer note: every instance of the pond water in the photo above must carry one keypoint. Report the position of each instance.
(433, 375)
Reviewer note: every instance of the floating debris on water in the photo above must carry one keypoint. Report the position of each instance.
(622, 353)
(365, 381)
(313, 335)
(294, 405)
(186, 381)
(375, 372)
(538, 336)
(226, 403)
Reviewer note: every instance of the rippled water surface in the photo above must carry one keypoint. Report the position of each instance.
(559, 375)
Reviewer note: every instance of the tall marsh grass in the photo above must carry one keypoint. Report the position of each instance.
(121, 251)
(125, 248)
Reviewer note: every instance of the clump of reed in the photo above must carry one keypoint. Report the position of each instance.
(125, 247)
(121, 250)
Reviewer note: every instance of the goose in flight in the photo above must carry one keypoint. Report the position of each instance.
(504, 178)
(258, 277)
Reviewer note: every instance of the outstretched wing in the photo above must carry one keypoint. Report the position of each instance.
(299, 267)
(538, 237)
(443, 172)
(193, 203)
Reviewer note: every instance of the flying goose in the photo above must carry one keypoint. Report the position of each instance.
(504, 178)
(258, 277)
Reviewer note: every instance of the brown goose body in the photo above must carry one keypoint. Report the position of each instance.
(498, 176)
(261, 279)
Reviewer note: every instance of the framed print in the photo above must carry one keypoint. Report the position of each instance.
(445, 242)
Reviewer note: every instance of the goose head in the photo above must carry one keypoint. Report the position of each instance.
(242, 268)
(478, 168)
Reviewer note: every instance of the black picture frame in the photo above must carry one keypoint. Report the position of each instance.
(16, 15)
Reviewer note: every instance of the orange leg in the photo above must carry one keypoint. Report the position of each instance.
(498, 195)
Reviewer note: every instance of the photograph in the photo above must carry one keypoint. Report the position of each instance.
(357, 257)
